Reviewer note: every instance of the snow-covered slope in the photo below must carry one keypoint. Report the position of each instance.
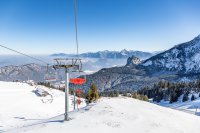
(19, 104)
(119, 115)
(192, 107)
(183, 58)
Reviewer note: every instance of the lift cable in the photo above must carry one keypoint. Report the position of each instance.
(76, 29)
(77, 45)
(24, 54)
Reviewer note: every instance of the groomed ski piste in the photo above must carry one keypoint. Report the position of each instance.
(22, 111)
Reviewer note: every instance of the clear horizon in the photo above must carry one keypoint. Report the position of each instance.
(41, 27)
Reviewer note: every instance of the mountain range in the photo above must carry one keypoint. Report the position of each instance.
(183, 59)
(23, 72)
(180, 63)
(110, 54)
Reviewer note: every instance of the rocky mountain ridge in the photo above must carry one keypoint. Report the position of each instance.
(106, 54)
(180, 63)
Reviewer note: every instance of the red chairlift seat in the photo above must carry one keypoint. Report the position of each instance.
(77, 81)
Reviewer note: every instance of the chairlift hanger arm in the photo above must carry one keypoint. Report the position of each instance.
(64, 66)
(65, 63)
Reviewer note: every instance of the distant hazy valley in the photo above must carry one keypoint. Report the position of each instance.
(20, 68)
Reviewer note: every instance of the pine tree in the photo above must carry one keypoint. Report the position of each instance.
(135, 95)
(185, 97)
(173, 97)
(192, 98)
(145, 98)
(140, 97)
(116, 93)
(88, 96)
(93, 94)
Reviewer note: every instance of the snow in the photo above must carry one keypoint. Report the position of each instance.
(192, 107)
(19, 105)
(89, 72)
(148, 63)
(193, 63)
(22, 111)
(183, 58)
(197, 57)
(124, 52)
(185, 79)
(120, 115)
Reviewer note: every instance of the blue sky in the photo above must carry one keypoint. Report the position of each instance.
(47, 26)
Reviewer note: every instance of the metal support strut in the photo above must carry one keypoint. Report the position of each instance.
(66, 95)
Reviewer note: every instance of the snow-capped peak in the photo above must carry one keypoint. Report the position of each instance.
(183, 58)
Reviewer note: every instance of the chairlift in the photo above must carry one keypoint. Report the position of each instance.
(78, 65)
(79, 79)
(49, 76)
